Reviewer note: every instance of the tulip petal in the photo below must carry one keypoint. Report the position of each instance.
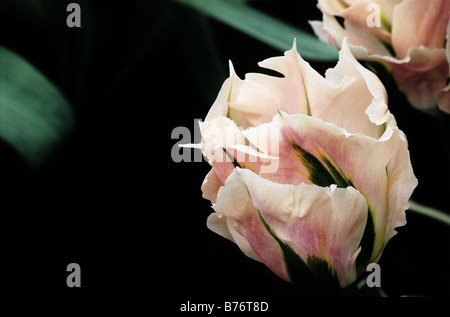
(356, 83)
(259, 95)
(356, 25)
(227, 91)
(443, 97)
(224, 227)
(254, 100)
(219, 133)
(211, 186)
(362, 14)
(312, 151)
(322, 225)
(234, 205)
(401, 184)
(330, 31)
(413, 50)
(425, 26)
(424, 77)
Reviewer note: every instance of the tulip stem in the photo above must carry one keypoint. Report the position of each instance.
(429, 212)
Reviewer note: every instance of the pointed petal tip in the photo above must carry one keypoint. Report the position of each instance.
(345, 49)
(231, 68)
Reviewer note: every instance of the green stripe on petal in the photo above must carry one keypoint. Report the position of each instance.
(318, 173)
(232, 159)
(340, 179)
(367, 244)
(317, 276)
(323, 270)
(323, 172)
(368, 239)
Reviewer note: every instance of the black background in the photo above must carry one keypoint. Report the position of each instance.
(112, 200)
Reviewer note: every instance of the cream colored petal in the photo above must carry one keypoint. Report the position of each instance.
(348, 82)
(423, 77)
(312, 151)
(211, 185)
(218, 223)
(259, 95)
(419, 23)
(363, 15)
(228, 90)
(223, 226)
(443, 97)
(401, 183)
(326, 223)
(235, 204)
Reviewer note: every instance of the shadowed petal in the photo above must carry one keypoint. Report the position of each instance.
(324, 223)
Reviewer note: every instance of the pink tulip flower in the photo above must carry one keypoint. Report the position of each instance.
(410, 37)
(310, 174)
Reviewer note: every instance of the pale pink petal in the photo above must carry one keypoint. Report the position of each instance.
(423, 77)
(219, 132)
(401, 183)
(447, 45)
(334, 6)
(259, 95)
(387, 9)
(331, 35)
(224, 227)
(323, 222)
(234, 203)
(226, 146)
(419, 23)
(331, 32)
(227, 91)
(443, 97)
(211, 185)
(353, 82)
(218, 224)
(360, 20)
(312, 151)
(227, 158)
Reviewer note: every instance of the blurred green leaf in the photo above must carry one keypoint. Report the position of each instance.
(34, 115)
(264, 28)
